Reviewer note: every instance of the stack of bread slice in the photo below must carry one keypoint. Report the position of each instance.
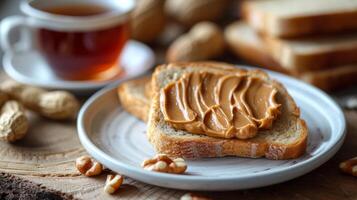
(286, 139)
(312, 40)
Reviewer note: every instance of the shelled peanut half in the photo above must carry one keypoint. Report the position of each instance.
(15, 98)
(89, 167)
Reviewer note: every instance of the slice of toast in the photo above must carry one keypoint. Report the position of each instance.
(248, 45)
(313, 53)
(332, 79)
(286, 140)
(134, 96)
(245, 42)
(292, 18)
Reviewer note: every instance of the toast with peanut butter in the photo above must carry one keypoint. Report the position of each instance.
(205, 125)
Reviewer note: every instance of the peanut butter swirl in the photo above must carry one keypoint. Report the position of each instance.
(220, 105)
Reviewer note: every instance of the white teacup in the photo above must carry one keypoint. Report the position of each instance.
(79, 39)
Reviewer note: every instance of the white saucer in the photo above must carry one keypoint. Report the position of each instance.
(28, 67)
(117, 139)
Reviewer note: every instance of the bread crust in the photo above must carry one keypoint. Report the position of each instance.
(136, 103)
(197, 146)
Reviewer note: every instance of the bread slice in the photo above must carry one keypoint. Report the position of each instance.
(245, 43)
(134, 96)
(314, 53)
(292, 18)
(332, 79)
(287, 138)
(248, 45)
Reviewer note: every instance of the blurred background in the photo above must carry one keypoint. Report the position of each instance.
(9, 7)
(214, 30)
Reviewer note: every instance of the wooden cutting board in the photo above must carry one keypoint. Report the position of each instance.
(46, 156)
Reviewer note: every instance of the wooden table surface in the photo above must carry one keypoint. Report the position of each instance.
(46, 156)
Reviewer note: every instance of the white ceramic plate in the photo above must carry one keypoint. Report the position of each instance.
(117, 139)
(28, 67)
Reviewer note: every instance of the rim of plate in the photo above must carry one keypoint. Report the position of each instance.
(309, 163)
(68, 84)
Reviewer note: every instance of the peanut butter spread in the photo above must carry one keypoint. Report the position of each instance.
(220, 105)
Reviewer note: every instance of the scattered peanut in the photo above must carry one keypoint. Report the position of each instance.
(162, 163)
(53, 105)
(189, 12)
(148, 20)
(349, 166)
(88, 167)
(113, 183)
(204, 41)
(13, 121)
(191, 196)
(178, 166)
